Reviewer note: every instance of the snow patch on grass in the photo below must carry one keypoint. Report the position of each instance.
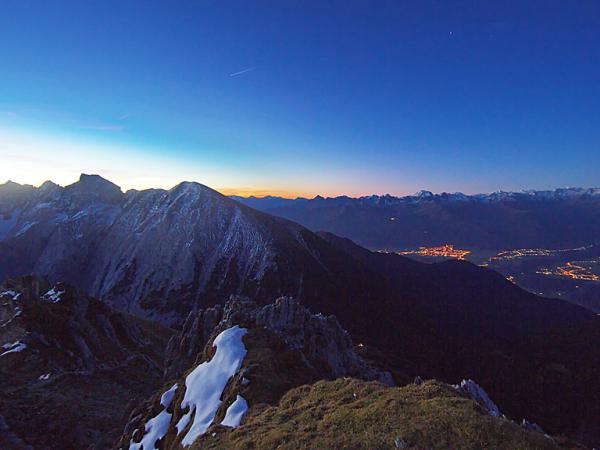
(155, 429)
(235, 412)
(158, 426)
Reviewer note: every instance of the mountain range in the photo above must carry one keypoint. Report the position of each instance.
(498, 221)
(166, 255)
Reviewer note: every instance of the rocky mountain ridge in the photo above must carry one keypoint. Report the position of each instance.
(283, 346)
(154, 253)
(69, 361)
(324, 345)
(285, 354)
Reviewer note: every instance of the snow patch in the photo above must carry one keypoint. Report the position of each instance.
(24, 228)
(15, 347)
(235, 412)
(205, 384)
(157, 427)
(10, 293)
(167, 397)
(53, 295)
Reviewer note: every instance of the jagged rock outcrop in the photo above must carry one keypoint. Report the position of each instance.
(67, 362)
(284, 346)
(472, 390)
(533, 427)
(325, 346)
(184, 347)
(478, 394)
(321, 339)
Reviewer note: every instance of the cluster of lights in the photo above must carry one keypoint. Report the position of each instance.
(576, 270)
(533, 252)
(445, 251)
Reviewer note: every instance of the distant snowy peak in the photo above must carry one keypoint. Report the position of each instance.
(565, 193)
(499, 196)
(428, 196)
(424, 194)
(270, 203)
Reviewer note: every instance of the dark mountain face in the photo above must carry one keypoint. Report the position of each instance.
(161, 254)
(451, 319)
(13, 196)
(550, 219)
(69, 366)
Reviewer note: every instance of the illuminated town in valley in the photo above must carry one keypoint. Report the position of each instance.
(532, 252)
(444, 251)
(576, 270)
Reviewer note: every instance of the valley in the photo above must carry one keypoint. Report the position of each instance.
(571, 273)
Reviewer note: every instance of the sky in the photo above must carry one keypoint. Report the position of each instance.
(298, 98)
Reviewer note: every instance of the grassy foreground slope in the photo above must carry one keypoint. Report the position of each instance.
(353, 414)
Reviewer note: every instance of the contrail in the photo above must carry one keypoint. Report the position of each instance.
(235, 74)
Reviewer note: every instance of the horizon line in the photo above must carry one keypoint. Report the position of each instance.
(259, 193)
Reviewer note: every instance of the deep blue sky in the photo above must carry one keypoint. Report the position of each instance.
(303, 97)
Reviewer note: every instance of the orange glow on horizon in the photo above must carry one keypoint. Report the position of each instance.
(255, 192)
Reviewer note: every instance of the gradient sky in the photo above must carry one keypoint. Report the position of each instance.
(302, 97)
